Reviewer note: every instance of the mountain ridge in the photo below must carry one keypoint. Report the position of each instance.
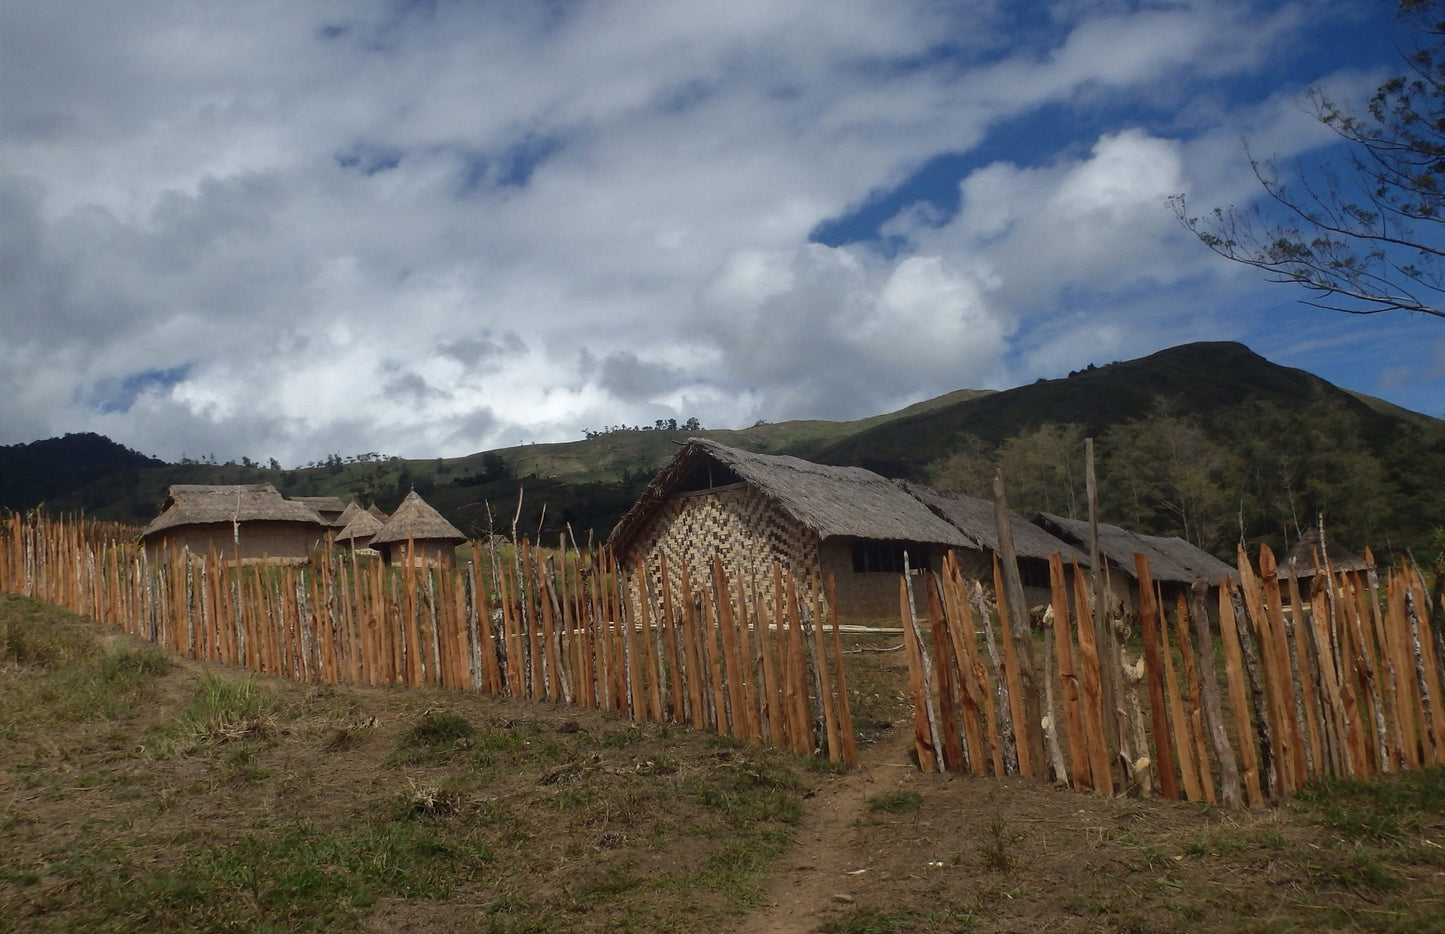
(588, 484)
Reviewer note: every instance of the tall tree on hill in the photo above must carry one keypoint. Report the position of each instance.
(1369, 236)
(1166, 474)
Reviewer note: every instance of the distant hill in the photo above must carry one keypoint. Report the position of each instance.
(1192, 379)
(588, 484)
(51, 470)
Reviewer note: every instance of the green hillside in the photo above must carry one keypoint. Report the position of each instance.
(1191, 379)
(1374, 466)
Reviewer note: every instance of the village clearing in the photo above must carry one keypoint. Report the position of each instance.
(141, 791)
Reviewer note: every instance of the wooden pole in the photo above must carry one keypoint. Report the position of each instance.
(1154, 666)
(1079, 767)
(1019, 635)
(1097, 712)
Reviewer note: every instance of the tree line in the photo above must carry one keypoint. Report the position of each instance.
(1256, 472)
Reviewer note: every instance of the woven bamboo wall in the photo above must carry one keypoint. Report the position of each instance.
(736, 522)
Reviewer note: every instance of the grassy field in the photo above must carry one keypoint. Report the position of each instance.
(143, 792)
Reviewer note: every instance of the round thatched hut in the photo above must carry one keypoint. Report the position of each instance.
(433, 539)
(361, 526)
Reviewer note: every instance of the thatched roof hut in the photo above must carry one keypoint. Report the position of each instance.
(975, 518)
(817, 520)
(829, 502)
(1173, 563)
(1307, 551)
(329, 508)
(252, 519)
(359, 530)
(433, 537)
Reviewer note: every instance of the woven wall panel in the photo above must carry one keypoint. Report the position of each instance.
(736, 522)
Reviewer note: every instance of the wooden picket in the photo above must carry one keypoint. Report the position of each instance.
(556, 627)
(1344, 684)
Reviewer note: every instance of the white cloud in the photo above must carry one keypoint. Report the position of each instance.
(431, 229)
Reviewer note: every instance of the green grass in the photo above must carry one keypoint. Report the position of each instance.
(897, 802)
(299, 877)
(223, 710)
(1387, 810)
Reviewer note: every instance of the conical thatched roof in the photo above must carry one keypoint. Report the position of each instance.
(1307, 551)
(347, 514)
(828, 501)
(197, 504)
(1171, 560)
(415, 519)
(975, 518)
(360, 530)
(329, 508)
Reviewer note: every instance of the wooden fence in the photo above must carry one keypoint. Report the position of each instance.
(547, 625)
(1341, 682)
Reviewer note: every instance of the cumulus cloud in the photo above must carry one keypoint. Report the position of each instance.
(280, 229)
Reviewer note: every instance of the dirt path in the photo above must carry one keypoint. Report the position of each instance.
(823, 869)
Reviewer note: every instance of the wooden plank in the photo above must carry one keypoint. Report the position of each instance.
(1183, 740)
(671, 645)
(1194, 706)
(801, 730)
(1019, 637)
(1229, 638)
(1305, 672)
(747, 655)
(1287, 715)
(922, 735)
(1154, 666)
(727, 624)
(825, 682)
(696, 677)
(944, 676)
(972, 692)
(1097, 713)
(1017, 708)
(845, 714)
(1079, 766)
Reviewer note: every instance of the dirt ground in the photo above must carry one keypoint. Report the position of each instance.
(552, 818)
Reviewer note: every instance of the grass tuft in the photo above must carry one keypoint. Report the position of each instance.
(897, 802)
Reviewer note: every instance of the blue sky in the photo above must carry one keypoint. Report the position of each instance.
(286, 230)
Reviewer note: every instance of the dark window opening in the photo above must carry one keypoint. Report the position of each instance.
(1035, 573)
(887, 557)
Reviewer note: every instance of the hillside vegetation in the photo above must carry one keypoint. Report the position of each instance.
(1209, 441)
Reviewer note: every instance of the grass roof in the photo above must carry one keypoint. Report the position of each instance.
(198, 504)
(828, 501)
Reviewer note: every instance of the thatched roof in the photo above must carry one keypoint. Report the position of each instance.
(197, 504)
(352, 508)
(362, 527)
(828, 501)
(1171, 560)
(347, 514)
(1307, 550)
(329, 508)
(975, 518)
(417, 520)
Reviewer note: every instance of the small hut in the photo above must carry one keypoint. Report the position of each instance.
(329, 508)
(360, 528)
(433, 539)
(1312, 552)
(755, 509)
(250, 520)
(1174, 564)
(1032, 545)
